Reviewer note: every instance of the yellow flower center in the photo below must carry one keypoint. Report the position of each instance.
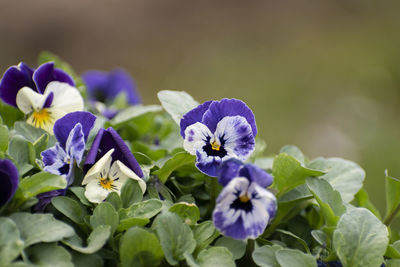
(106, 183)
(41, 117)
(244, 198)
(215, 146)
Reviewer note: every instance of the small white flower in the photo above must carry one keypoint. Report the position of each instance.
(57, 100)
(105, 177)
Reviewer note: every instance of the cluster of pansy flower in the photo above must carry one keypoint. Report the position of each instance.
(221, 135)
(48, 97)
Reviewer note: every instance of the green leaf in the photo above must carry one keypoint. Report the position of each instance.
(41, 144)
(345, 176)
(392, 186)
(96, 240)
(393, 263)
(35, 228)
(329, 200)
(293, 151)
(131, 193)
(265, 256)
(363, 200)
(69, 208)
(139, 247)
(145, 209)
(236, 247)
(105, 214)
(178, 160)
(321, 237)
(290, 257)
(190, 213)
(41, 182)
(3, 138)
(301, 241)
(288, 173)
(360, 239)
(29, 132)
(133, 112)
(10, 243)
(79, 192)
(125, 224)
(49, 255)
(176, 237)
(114, 199)
(215, 256)
(84, 260)
(204, 234)
(23, 153)
(176, 103)
(298, 193)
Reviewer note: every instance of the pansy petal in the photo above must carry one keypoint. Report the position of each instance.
(66, 98)
(14, 78)
(96, 84)
(28, 100)
(256, 174)
(228, 107)
(121, 81)
(75, 146)
(8, 180)
(128, 173)
(228, 170)
(64, 125)
(94, 192)
(207, 164)
(110, 139)
(193, 116)
(45, 199)
(237, 135)
(54, 160)
(196, 136)
(100, 169)
(46, 73)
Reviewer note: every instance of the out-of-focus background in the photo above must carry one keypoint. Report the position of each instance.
(324, 75)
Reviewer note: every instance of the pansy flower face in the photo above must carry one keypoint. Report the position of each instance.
(106, 176)
(244, 207)
(71, 132)
(218, 130)
(103, 87)
(45, 94)
(8, 181)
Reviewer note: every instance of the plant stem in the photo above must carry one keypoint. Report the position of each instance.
(388, 220)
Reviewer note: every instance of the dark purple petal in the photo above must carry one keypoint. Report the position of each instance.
(45, 199)
(193, 116)
(26, 69)
(104, 87)
(46, 73)
(228, 107)
(256, 174)
(75, 146)
(49, 100)
(207, 164)
(106, 140)
(13, 80)
(8, 180)
(54, 160)
(228, 170)
(63, 126)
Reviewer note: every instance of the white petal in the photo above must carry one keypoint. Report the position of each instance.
(100, 169)
(95, 193)
(124, 171)
(29, 100)
(66, 98)
(195, 137)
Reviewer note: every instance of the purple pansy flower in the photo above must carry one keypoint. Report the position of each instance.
(244, 207)
(8, 181)
(217, 130)
(45, 94)
(71, 132)
(103, 87)
(109, 164)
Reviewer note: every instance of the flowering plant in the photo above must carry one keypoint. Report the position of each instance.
(86, 179)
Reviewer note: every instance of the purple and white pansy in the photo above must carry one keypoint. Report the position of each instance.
(244, 207)
(71, 132)
(217, 130)
(109, 164)
(45, 94)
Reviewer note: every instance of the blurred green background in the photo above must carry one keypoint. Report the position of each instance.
(324, 75)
